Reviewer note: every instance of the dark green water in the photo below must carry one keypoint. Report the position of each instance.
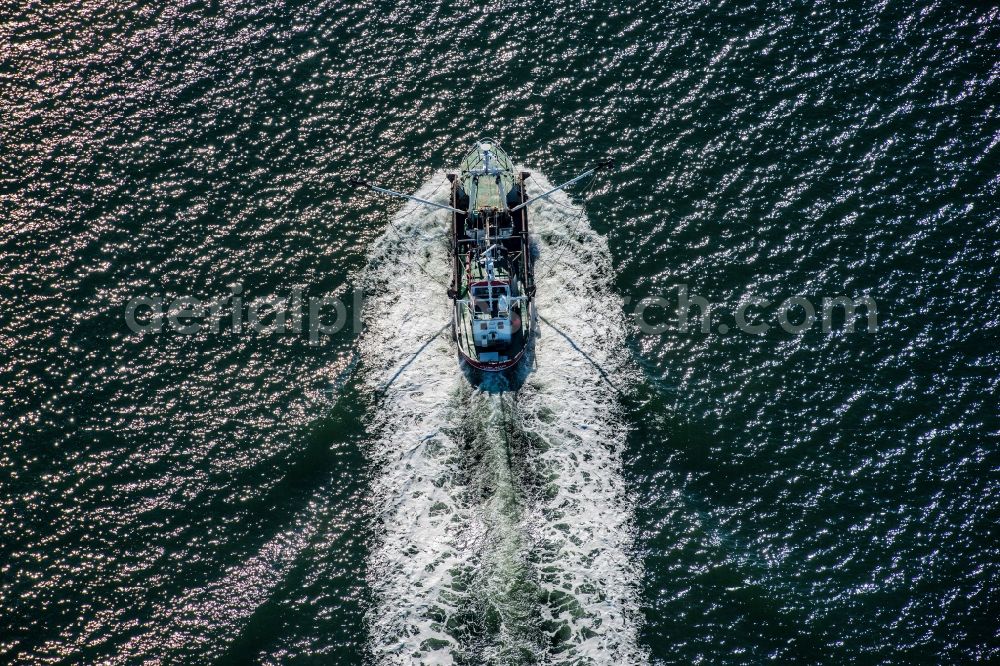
(827, 497)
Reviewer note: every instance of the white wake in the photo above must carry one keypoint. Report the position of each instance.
(504, 522)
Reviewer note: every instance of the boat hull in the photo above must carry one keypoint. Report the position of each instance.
(490, 246)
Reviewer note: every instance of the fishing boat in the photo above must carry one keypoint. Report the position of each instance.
(492, 287)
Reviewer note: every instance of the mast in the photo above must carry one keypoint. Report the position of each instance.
(489, 263)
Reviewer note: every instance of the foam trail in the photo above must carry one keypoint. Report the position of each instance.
(568, 405)
(427, 534)
(504, 520)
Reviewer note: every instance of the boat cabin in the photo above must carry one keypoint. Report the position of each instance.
(492, 309)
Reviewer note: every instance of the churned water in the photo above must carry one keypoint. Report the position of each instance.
(505, 526)
(762, 485)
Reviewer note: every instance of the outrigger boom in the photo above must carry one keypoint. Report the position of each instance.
(355, 182)
(601, 165)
